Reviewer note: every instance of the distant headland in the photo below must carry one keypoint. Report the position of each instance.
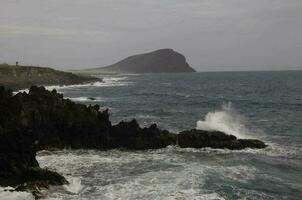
(159, 61)
(20, 77)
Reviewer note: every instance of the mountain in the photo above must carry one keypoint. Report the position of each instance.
(159, 61)
(19, 77)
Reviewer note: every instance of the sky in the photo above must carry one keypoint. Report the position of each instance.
(214, 35)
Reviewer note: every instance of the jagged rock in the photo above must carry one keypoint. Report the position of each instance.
(54, 122)
(215, 139)
(130, 135)
(43, 119)
(19, 167)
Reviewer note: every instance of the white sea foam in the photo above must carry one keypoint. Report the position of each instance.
(142, 116)
(106, 82)
(127, 175)
(25, 90)
(7, 195)
(168, 173)
(227, 120)
(74, 185)
(240, 173)
(85, 99)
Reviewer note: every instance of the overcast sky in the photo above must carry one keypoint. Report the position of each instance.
(212, 34)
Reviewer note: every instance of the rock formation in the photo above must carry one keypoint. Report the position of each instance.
(43, 119)
(163, 60)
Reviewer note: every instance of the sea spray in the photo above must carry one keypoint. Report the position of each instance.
(226, 120)
(74, 186)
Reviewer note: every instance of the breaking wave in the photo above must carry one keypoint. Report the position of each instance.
(4, 194)
(107, 82)
(85, 99)
(226, 120)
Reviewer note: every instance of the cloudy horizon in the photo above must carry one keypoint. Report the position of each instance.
(214, 35)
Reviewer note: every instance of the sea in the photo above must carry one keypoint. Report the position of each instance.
(261, 105)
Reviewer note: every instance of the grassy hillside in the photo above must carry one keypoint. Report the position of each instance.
(19, 77)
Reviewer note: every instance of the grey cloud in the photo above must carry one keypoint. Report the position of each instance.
(213, 34)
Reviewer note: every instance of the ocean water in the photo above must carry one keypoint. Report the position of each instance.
(262, 105)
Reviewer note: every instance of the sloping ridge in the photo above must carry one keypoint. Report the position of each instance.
(163, 60)
(19, 77)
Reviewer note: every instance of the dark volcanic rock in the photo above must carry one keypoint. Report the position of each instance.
(215, 139)
(19, 167)
(51, 121)
(43, 119)
(57, 123)
(163, 60)
(130, 135)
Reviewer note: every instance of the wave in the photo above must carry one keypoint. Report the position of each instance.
(74, 185)
(106, 82)
(226, 120)
(112, 79)
(273, 150)
(4, 194)
(141, 116)
(25, 90)
(85, 99)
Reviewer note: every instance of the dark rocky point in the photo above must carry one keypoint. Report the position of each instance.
(43, 119)
(21, 77)
(215, 139)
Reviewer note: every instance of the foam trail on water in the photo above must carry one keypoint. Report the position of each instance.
(85, 99)
(7, 195)
(226, 120)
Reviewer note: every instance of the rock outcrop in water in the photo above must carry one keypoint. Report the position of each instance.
(215, 139)
(159, 61)
(43, 119)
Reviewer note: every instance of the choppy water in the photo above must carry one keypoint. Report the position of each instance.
(263, 105)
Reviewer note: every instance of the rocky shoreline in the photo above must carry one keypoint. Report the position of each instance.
(22, 77)
(42, 119)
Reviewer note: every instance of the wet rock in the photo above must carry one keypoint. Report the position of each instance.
(19, 167)
(130, 135)
(18, 164)
(35, 179)
(43, 119)
(215, 139)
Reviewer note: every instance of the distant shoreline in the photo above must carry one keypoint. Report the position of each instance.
(22, 77)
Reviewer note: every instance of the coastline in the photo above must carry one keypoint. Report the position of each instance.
(51, 122)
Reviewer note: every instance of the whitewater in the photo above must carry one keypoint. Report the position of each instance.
(262, 105)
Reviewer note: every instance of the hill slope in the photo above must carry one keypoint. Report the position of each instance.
(19, 77)
(163, 60)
